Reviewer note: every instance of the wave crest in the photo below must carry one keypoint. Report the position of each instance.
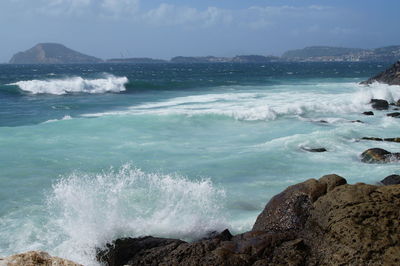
(108, 83)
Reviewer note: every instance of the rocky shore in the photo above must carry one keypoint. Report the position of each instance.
(317, 222)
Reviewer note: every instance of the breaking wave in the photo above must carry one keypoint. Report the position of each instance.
(89, 210)
(108, 83)
(269, 105)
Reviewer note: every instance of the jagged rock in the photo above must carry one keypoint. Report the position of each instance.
(35, 258)
(391, 180)
(314, 149)
(368, 113)
(396, 114)
(317, 222)
(378, 155)
(390, 76)
(379, 104)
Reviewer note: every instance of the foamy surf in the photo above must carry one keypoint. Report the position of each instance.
(108, 83)
(269, 104)
(90, 210)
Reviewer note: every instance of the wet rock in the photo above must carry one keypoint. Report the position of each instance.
(368, 113)
(382, 139)
(390, 76)
(378, 155)
(314, 149)
(396, 114)
(392, 139)
(35, 258)
(317, 222)
(372, 138)
(379, 104)
(121, 251)
(391, 180)
(398, 103)
(357, 121)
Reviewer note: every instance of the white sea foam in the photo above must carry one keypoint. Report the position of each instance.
(66, 117)
(87, 211)
(268, 104)
(108, 83)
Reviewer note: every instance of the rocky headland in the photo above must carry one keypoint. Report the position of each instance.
(390, 76)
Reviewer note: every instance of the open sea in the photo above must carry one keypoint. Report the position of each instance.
(90, 153)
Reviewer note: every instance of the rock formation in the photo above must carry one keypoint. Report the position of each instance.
(378, 155)
(317, 222)
(52, 53)
(35, 258)
(390, 76)
(379, 104)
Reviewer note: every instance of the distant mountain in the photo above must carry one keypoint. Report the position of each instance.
(143, 60)
(52, 53)
(326, 54)
(236, 59)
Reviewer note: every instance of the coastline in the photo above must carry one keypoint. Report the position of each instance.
(316, 222)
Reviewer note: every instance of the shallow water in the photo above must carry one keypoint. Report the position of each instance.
(92, 153)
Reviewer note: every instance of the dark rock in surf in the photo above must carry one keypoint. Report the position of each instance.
(390, 76)
(357, 121)
(378, 155)
(391, 180)
(372, 138)
(382, 139)
(314, 150)
(379, 104)
(396, 114)
(368, 113)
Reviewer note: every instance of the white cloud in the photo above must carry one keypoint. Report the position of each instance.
(170, 15)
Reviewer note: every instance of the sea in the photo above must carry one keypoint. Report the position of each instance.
(91, 153)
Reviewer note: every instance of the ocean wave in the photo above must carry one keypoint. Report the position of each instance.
(89, 210)
(265, 105)
(108, 83)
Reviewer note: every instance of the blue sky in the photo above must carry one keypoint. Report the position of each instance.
(163, 29)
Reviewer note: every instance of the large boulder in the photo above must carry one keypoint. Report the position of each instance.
(390, 76)
(378, 155)
(35, 258)
(379, 104)
(391, 180)
(290, 209)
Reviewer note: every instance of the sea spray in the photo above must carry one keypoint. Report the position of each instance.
(90, 210)
(108, 83)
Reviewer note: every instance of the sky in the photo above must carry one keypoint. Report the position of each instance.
(166, 28)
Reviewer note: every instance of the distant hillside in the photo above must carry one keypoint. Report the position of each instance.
(236, 59)
(52, 53)
(326, 53)
(143, 60)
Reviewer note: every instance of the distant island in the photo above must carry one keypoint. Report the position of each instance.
(53, 53)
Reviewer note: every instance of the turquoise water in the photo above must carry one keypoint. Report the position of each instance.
(92, 153)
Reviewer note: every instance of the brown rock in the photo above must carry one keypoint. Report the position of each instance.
(35, 258)
(378, 155)
(317, 222)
